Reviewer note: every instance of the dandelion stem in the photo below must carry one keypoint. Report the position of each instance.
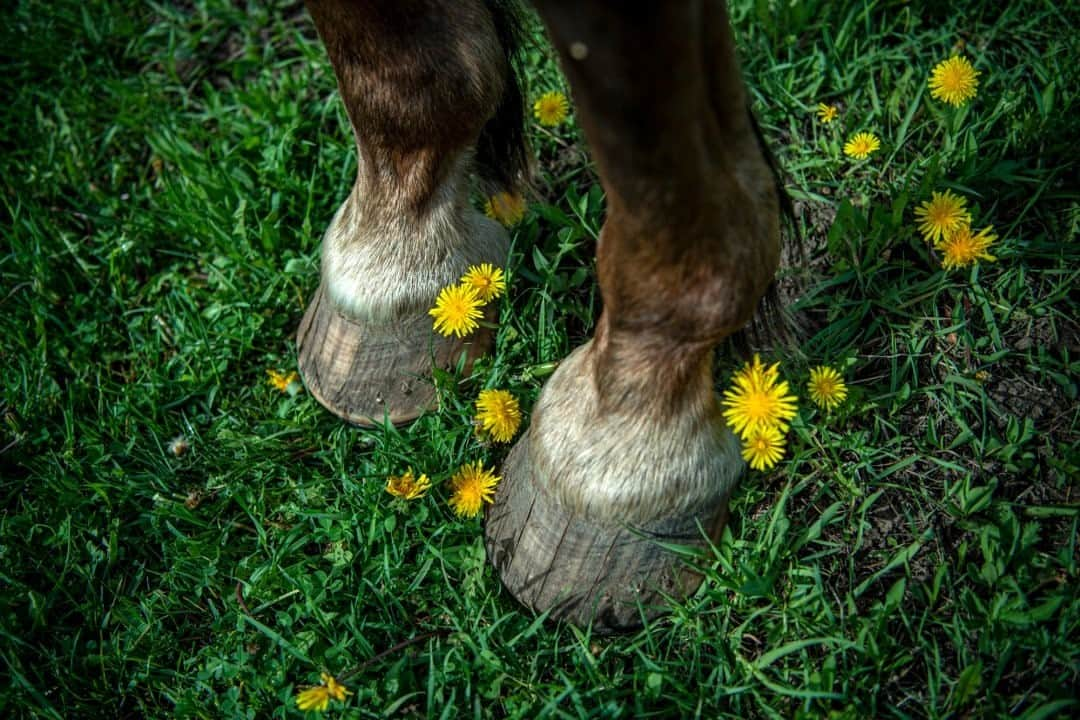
(391, 650)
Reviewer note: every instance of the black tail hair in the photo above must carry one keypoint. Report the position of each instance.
(503, 160)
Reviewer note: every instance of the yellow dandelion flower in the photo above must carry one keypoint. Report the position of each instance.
(337, 690)
(763, 448)
(827, 113)
(318, 698)
(758, 399)
(281, 381)
(826, 387)
(498, 414)
(962, 248)
(472, 486)
(408, 486)
(954, 81)
(507, 208)
(551, 109)
(456, 310)
(943, 214)
(488, 281)
(766, 375)
(861, 145)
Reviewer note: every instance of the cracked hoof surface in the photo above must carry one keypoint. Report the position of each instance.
(591, 503)
(613, 576)
(368, 373)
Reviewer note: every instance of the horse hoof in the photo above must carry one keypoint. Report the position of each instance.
(591, 505)
(368, 373)
(369, 366)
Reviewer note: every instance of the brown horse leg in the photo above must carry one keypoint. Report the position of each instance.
(419, 79)
(627, 446)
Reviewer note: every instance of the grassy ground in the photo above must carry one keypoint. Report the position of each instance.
(167, 172)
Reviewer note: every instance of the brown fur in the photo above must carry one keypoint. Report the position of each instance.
(691, 240)
(420, 78)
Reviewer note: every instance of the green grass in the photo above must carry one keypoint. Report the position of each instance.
(166, 175)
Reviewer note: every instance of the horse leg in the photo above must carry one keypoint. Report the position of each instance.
(627, 447)
(419, 79)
